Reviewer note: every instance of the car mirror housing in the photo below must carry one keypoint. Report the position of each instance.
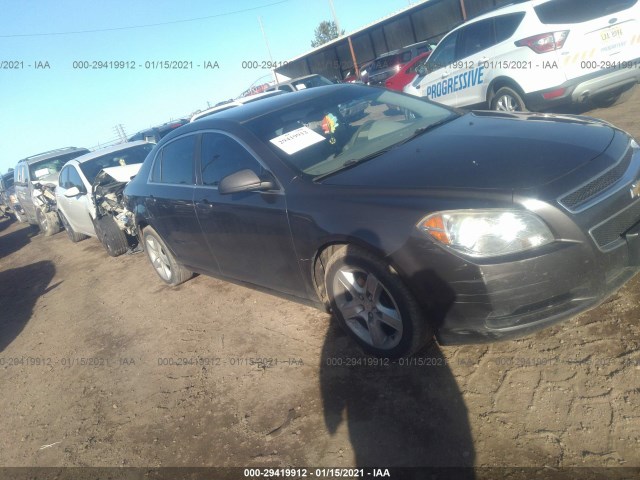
(72, 192)
(243, 181)
(421, 70)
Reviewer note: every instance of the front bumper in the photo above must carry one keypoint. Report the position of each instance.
(474, 303)
(470, 300)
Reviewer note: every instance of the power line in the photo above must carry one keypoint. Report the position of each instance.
(113, 29)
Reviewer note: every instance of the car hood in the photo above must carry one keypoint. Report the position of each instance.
(116, 175)
(51, 179)
(486, 150)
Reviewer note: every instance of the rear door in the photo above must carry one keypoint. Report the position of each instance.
(170, 204)
(23, 192)
(248, 232)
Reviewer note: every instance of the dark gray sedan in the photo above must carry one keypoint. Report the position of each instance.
(412, 220)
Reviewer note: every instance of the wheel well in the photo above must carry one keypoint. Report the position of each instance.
(141, 225)
(322, 258)
(500, 82)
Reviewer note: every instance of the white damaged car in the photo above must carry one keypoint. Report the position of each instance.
(89, 195)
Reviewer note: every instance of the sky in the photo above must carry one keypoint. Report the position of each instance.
(63, 104)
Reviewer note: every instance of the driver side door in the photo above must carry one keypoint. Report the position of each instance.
(76, 208)
(437, 84)
(248, 232)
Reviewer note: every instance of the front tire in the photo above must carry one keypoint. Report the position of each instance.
(112, 238)
(162, 260)
(49, 222)
(507, 99)
(73, 236)
(373, 305)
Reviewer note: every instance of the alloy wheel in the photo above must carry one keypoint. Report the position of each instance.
(159, 258)
(368, 308)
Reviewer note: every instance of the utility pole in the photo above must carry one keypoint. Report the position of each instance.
(335, 17)
(266, 42)
(119, 129)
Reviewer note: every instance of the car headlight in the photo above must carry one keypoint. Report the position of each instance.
(487, 233)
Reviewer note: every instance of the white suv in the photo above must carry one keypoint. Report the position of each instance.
(536, 55)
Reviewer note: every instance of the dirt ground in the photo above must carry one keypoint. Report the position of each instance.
(103, 365)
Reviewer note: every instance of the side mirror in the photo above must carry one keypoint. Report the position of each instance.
(421, 70)
(243, 181)
(72, 192)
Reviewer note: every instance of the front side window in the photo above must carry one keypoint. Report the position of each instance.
(444, 54)
(74, 179)
(221, 156)
(174, 164)
(63, 179)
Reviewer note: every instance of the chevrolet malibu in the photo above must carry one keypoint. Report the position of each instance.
(412, 221)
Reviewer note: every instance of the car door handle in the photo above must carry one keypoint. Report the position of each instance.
(445, 74)
(151, 200)
(205, 203)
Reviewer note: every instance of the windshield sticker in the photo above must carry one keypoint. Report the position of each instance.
(330, 123)
(296, 140)
(42, 172)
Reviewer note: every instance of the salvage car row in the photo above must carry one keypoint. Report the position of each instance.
(405, 218)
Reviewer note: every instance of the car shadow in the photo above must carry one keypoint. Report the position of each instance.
(20, 289)
(5, 222)
(402, 413)
(15, 240)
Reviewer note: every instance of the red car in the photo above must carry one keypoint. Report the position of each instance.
(407, 73)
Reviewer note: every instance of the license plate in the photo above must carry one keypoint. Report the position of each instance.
(611, 34)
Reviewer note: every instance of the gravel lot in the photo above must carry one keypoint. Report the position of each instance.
(103, 365)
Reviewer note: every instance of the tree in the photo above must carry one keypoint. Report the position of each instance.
(325, 32)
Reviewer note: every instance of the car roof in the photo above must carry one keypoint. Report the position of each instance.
(286, 82)
(515, 6)
(105, 151)
(235, 103)
(50, 154)
(257, 109)
(252, 111)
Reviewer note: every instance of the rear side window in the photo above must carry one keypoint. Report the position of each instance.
(578, 11)
(506, 25)
(174, 164)
(476, 37)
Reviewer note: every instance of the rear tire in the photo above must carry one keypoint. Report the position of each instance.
(614, 98)
(162, 260)
(112, 238)
(373, 305)
(73, 236)
(49, 222)
(508, 100)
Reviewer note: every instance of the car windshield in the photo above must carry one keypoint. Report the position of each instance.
(7, 180)
(338, 130)
(130, 156)
(50, 166)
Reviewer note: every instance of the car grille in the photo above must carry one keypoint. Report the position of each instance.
(574, 200)
(612, 229)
